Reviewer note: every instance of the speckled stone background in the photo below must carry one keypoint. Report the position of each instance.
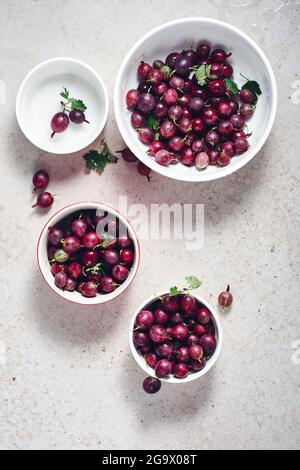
(67, 376)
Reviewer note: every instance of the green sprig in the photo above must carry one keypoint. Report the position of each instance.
(203, 74)
(97, 160)
(193, 283)
(72, 103)
(152, 123)
(232, 86)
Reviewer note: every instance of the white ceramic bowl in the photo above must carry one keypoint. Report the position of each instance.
(39, 99)
(247, 58)
(210, 363)
(44, 265)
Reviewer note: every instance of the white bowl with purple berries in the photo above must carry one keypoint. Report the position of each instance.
(195, 99)
(175, 336)
(62, 105)
(88, 253)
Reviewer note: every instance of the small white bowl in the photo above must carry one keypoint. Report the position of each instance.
(194, 376)
(44, 265)
(247, 58)
(39, 99)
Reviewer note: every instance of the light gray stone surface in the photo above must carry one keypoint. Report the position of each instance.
(67, 376)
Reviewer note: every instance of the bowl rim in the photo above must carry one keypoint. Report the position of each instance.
(27, 78)
(104, 298)
(191, 377)
(200, 176)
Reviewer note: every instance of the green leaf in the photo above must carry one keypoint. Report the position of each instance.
(95, 161)
(175, 291)
(152, 123)
(72, 103)
(253, 86)
(78, 104)
(65, 93)
(232, 86)
(203, 74)
(107, 240)
(95, 269)
(200, 74)
(193, 282)
(208, 72)
(110, 158)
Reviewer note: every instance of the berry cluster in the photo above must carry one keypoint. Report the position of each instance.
(189, 110)
(90, 253)
(175, 334)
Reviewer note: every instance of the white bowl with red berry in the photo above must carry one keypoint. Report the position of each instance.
(88, 253)
(175, 336)
(62, 105)
(195, 99)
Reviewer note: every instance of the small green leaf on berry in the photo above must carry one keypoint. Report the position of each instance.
(152, 123)
(97, 269)
(203, 74)
(65, 93)
(78, 104)
(71, 103)
(175, 291)
(232, 86)
(107, 240)
(200, 74)
(253, 86)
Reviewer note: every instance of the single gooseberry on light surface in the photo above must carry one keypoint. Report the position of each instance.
(226, 298)
(40, 180)
(44, 200)
(151, 385)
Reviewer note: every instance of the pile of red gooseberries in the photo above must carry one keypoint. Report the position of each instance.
(90, 253)
(176, 335)
(188, 109)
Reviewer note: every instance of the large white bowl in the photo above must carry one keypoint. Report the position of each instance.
(210, 363)
(39, 99)
(44, 265)
(247, 58)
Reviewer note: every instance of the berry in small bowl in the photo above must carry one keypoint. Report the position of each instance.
(175, 337)
(88, 253)
(39, 111)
